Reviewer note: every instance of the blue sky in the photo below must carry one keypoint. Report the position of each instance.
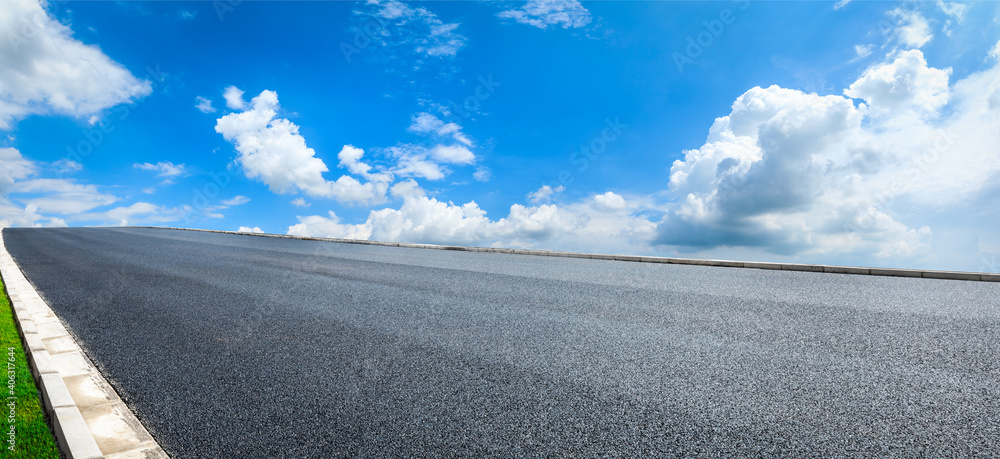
(858, 132)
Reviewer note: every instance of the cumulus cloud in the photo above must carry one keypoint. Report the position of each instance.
(413, 161)
(247, 229)
(46, 71)
(798, 173)
(13, 215)
(610, 202)
(544, 13)
(350, 159)
(234, 98)
(544, 194)
(319, 226)
(419, 161)
(271, 150)
(299, 202)
(905, 84)
(164, 168)
(204, 105)
(428, 220)
(912, 28)
(600, 223)
(452, 154)
(426, 123)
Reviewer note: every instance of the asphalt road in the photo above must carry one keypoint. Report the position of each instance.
(240, 346)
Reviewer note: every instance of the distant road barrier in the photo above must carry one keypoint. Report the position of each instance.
(894, 272)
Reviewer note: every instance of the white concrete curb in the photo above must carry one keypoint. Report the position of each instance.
(894, 272)
(88, 417)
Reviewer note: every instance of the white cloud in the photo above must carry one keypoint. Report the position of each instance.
(864, 51)
(299, 202)
(419, 166)
(350, 159)
(913, 29)
(415, 28)
(318, 226)
(46, 71)
(234, 98)
(165, 168)
(452, 154)
(204, 105)
(544, 194)
(413, 161)
(544, 13)
(954, 10)
(995, 52)
(138, 213)
(13, 167)
(60, 196)
(426, 123)
(590, 225)
(482, 174)
(610, 202)
(840, 4)
(271, 150)
(905, 84)
(67, 166)
(805, 175)
(236, 201)
(247, 229)
(12, 215)
(25, 199)
(419, 161)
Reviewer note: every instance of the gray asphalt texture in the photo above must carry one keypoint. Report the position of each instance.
(241, 346)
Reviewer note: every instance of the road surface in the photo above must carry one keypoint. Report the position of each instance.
(239, 346)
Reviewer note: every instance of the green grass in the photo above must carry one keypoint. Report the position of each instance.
(33, 437)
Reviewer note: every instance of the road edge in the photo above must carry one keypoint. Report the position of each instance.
(859, 270)
(75, 395)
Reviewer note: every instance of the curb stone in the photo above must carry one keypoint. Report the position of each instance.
(854, 270)
(84, 427)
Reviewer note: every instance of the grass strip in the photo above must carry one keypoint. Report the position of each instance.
(25, 431)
